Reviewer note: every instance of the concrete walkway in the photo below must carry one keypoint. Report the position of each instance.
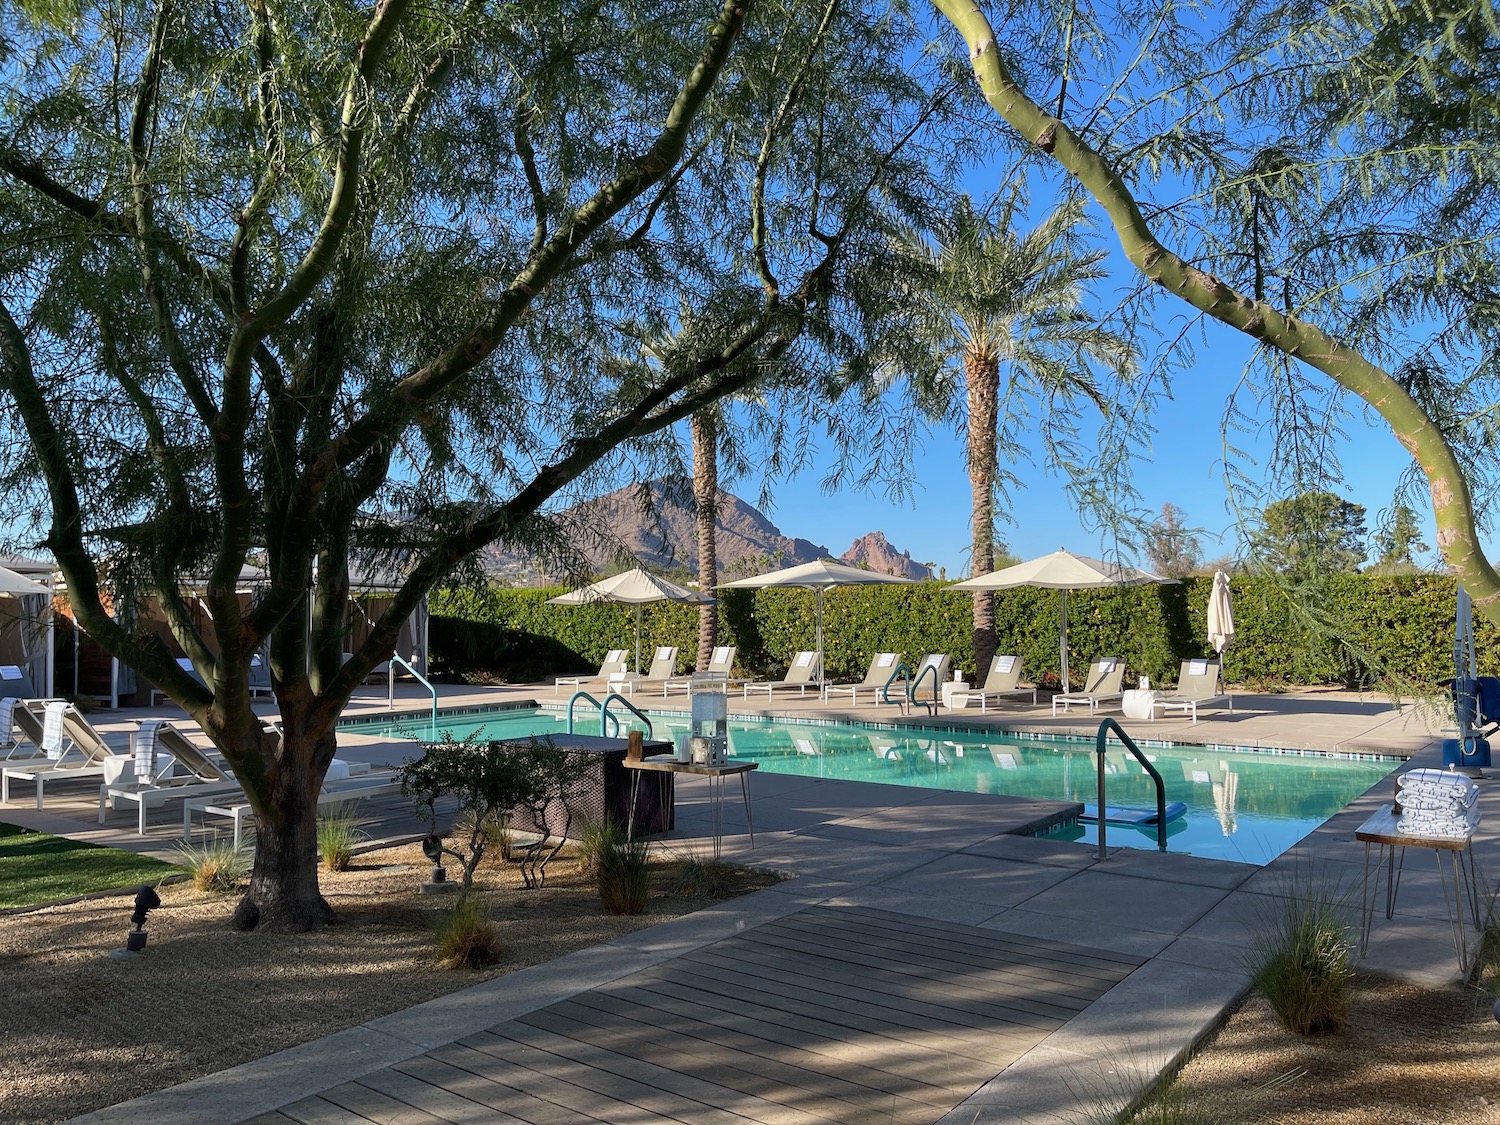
(948, 863)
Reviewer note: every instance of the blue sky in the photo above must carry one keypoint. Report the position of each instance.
(1184, 466)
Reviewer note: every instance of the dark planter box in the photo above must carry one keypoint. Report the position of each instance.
(604, 791)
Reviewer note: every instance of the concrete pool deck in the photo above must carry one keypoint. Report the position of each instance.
(944, 866)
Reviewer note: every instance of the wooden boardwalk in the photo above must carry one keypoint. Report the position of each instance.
(831, 1014)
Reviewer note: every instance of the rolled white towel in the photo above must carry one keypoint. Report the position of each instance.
(1447, 802)
(1437, 780)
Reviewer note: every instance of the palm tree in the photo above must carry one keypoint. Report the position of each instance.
(705, 427)
(995, 302)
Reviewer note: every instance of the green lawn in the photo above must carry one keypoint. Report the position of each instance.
(35, 867)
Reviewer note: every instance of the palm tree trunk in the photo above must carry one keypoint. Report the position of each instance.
(706, 503)
(982, 376)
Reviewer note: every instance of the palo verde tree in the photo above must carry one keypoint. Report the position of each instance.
(1344, 191)
(309, 283)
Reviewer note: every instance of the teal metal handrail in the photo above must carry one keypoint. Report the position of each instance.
(1105, 727)
(604, 712)
(421, 679)
(916, 682)
(576, 696)
(885, 692)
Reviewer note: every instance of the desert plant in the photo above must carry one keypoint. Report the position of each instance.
(499, 840)
(1300, 961)
(466, 938)
(695, 875)
(217, 866)
(621, 868)
(340, 831)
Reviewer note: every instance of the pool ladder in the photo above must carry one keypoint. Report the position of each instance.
(606, 716)
(1105, 727)
(904, 673)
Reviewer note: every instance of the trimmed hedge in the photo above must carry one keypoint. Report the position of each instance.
(1354, 630)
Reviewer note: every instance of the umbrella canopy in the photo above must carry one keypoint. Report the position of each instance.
(817, 577)
(1220, 613)
(1061, 571)
(13, 583)
(633, 587)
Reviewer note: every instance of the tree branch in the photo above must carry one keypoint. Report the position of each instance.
(1452, 504)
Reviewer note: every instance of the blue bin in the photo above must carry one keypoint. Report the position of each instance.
(1473, 755)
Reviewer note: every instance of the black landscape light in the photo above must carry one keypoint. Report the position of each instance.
(146, 900)
(432, 848)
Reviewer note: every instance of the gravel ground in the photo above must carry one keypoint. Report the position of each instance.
(79, 1031)
(1409, 1056)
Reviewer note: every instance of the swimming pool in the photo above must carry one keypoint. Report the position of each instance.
(1245, 805)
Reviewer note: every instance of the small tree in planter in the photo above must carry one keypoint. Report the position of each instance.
(487, 785)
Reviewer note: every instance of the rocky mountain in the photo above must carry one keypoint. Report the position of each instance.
(876, 552)
(662, 532)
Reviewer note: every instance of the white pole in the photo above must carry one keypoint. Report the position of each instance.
(1062, 635)
(637, 638)
(819, 672)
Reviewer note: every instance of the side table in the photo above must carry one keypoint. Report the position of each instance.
(1139, 704)
(665, 767)
(1384, 830)
(955, 694)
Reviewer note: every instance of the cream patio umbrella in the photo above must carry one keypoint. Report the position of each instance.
(1220, 614)
(634, 587)
(817, 577)
(1061, 571)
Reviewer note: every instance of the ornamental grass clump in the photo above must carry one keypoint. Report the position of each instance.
(621, 868)
(466, 938)
(218, 866)
(1301, 962)
(340, 831)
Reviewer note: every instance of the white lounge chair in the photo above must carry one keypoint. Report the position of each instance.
(803, 674)
(1101, 685)
(336, 790)
(1198, 685)
(615, 663)
(158, 749)
(883, 666)
(72, 749)
(720, 665)
(663, 668)
(1001, 683)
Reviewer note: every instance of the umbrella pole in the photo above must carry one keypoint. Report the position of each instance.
(1062, 635)
(638, 608)
(819, 634)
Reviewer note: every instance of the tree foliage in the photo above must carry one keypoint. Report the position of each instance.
(318, 287)
(1338, 214)
(1311, 534)
(1172, 548)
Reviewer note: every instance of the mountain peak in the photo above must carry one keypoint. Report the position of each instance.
(876, 552)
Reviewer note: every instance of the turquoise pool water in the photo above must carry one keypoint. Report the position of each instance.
(1242, 805)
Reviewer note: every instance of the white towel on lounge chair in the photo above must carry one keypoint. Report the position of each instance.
(52, 730)
(151, 763)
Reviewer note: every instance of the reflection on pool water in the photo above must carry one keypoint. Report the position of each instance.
(1242, 805)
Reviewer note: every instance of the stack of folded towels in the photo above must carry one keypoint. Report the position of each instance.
(1438, 803)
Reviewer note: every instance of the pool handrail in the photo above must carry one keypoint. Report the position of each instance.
(605, 712)
(421, 679)
(1105, 726)
(885, 692)
(581, 694)
(916, 682)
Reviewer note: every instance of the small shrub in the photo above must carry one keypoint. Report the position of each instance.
(340, 831)
(621, 870)
(466, 938)
(499, 839)
(1301, 962)
(695, 876)
(218, 866)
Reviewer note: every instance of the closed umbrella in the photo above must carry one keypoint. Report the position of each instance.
(1220, 613)
(634, 587)
(1061, 571)
(817, 576)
